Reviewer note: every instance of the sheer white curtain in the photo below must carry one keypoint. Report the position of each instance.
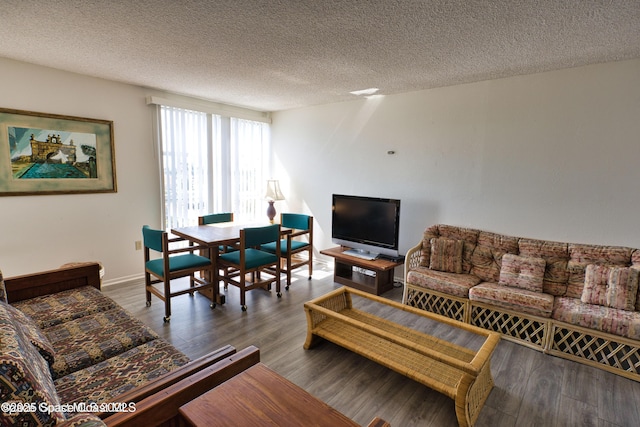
(212, 163)
(250, 159)
(185, 163)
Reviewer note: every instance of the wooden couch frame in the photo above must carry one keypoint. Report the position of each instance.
(157, 402)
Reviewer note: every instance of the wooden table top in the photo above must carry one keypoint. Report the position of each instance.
(224, 233)
(217, 234)
(259, 397)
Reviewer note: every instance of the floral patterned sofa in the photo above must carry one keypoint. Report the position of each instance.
(576, 301)
(67, 350)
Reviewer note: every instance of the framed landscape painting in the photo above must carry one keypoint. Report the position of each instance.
(53, 154)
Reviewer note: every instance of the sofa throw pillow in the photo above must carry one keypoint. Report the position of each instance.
(622, 287)
(594, 290)
(25, 377)
(446, 255)
(522, 272)
(31, 331)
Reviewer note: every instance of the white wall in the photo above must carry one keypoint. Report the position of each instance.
(552, 156)
(43, 232)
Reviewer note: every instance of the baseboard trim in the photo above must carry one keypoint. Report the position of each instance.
(126, 280)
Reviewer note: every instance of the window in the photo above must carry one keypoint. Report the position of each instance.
(250, 152)
(211, 163)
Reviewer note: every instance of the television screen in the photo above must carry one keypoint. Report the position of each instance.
(366, 223)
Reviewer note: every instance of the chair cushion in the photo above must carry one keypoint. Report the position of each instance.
(446, 255)
(522, 272)
(516, 299)
(253, 258)
(177, 263)
(295, 245)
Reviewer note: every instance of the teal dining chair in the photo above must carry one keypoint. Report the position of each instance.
(300, 240)
(218, 218)
(250, 260)
(173, 260)
(215, 218)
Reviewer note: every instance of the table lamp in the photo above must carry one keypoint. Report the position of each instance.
(273, 193)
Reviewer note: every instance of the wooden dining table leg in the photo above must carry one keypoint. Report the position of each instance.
(213, 276)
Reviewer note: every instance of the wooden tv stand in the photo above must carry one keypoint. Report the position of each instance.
(374, 276)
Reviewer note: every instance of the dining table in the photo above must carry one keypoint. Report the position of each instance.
(213, 236)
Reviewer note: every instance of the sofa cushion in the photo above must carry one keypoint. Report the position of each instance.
(467, 235)
(600, 254)
(88, 340)
(446, 255)
(84, 419)
(110, 378)
(516, 299)
(583, 255)
(610, 286)
(595, 285)
(556, 255)
(522, 272)
(24, 376)
(606, 319)
(448, 283)
(486, 263)
(622, 288)
(53, 309)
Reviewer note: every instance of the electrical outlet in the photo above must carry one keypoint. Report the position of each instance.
(138, 245)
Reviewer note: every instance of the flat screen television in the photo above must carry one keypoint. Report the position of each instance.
(370, 226)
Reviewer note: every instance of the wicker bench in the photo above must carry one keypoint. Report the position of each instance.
(460, 373)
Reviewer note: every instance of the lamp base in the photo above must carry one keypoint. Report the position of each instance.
(271, 211)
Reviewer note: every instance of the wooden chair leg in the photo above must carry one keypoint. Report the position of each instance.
(147, 283)
(167, 301)
(243, 304)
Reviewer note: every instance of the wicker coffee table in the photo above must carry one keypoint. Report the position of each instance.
(458, 372)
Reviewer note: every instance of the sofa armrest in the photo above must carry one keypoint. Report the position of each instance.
(412, 259)
(52, 281)
(161, 408)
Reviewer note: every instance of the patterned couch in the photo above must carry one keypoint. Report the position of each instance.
(67, 350)
(576, 301)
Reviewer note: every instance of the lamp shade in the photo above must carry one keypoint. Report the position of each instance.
(273, 190)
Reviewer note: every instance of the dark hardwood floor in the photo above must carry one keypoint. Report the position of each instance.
(532, 389)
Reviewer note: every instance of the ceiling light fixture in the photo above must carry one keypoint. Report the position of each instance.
(369, 91)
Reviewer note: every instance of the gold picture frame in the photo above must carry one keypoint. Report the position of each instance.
(43, 153)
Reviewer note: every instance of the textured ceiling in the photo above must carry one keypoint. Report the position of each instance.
(281, 54)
